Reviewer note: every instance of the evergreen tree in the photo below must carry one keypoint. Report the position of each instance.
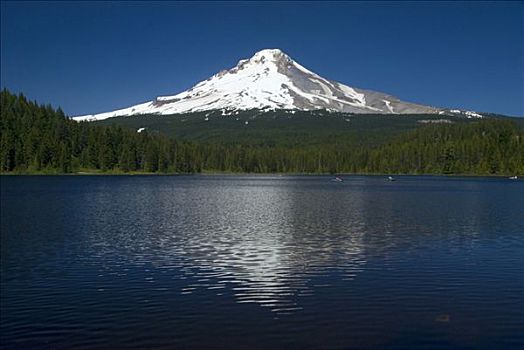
(37, 138)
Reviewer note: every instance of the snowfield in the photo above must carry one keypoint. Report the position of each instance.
(270, 80)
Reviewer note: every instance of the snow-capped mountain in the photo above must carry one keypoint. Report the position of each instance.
(270, 80)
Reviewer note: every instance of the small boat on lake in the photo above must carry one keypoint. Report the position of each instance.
(513, 177)
(337, 179)
(391, 178)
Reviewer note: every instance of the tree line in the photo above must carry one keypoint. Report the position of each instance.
(40, 139)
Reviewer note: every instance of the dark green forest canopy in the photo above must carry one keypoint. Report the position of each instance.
(39, 139)
(282, 128)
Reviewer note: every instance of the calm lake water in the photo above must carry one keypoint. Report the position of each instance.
(261, 262)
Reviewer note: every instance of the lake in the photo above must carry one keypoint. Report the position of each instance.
(261, 262)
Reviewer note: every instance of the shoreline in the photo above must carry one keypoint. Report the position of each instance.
(87, 173)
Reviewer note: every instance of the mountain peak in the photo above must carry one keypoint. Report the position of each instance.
(266, 57)
(272, 54)
(270, 79)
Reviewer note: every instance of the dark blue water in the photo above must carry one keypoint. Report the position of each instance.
(248, 262)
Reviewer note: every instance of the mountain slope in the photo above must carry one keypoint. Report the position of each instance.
(285, 128)
(271, 80)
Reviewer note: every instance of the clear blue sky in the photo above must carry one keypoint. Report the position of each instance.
(92, 57)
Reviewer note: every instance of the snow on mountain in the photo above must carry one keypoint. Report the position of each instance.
(270, 80)
(462, 113)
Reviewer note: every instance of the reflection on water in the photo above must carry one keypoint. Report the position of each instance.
(261, 262)
(263, 240)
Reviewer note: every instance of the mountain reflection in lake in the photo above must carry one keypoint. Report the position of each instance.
(264, 240)
(261, 262)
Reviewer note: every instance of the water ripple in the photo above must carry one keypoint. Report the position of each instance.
(261, 262)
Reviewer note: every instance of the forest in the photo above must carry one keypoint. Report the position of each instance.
(38, 139)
